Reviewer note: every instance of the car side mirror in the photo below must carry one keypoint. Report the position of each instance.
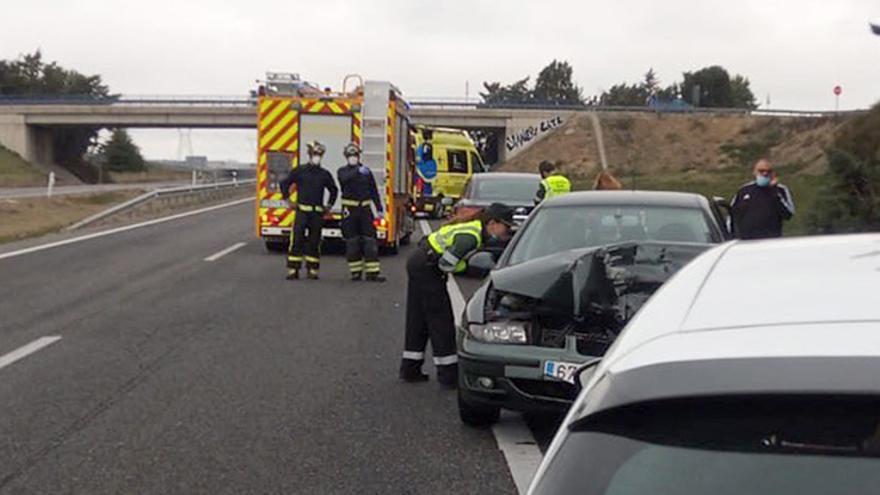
(482, 260)
(585, 373)
(446, 201)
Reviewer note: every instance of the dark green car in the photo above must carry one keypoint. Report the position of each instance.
(565, 286)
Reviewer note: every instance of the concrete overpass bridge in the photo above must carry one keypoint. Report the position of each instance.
(26, 127)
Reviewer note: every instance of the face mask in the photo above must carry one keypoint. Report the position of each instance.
(762, 180)
(353, 160)
(315, 159)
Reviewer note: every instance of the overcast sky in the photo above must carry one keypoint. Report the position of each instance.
(794, 50)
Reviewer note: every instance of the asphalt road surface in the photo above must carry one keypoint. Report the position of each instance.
(175, 358)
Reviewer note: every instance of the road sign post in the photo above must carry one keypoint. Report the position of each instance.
(837, 91)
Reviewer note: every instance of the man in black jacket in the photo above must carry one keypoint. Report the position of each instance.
(305, 238)
(760, 207)
(359, 192)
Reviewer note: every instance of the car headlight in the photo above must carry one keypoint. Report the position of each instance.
(501, 332)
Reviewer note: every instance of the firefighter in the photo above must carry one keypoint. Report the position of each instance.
(428, 308)
(359, 191)
(311, 181)
(553, 183)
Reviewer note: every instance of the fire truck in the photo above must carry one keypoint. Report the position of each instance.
(292, 112)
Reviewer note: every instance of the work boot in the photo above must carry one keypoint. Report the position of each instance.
(375, 277)
(412, 375)
(356, 277)
(292, 274)
(312, 275)
(447, 376)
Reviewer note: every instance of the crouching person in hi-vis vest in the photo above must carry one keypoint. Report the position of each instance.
(311, 181)
(553, 183)
(428, 308)
(359, 191)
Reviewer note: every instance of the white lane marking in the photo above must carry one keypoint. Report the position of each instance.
(519, 447)
(216, 256)
(117, 230)
(27, 349)
(515, 440)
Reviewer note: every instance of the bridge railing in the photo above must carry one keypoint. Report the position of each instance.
(419, 102)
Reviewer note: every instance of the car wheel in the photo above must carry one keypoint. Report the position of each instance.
(476, 415)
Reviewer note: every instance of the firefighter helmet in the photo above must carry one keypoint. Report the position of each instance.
(315, 148)
(351, 149)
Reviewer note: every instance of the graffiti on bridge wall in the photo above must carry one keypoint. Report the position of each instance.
(522, 137)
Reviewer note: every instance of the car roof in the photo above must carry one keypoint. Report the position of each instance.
(793, 315)
(654, 198)
(506, 175)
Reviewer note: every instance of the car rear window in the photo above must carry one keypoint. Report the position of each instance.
(755, 446)
(513, 190)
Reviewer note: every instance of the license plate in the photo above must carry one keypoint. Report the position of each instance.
(332, 233)
(561, 371)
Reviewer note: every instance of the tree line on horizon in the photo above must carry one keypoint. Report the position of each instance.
(709, 87)
(30, 75)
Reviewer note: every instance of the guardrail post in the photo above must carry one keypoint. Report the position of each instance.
(193, 178)
(50, 187)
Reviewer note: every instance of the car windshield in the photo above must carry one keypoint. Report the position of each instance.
(505, 189)
(558, 229)
(754, 448)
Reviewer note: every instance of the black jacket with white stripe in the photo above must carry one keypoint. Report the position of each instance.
(758, 212)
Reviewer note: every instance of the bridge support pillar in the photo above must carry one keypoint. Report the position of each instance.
(34, 144)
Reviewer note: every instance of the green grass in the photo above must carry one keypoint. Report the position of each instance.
(805, 188)
(15, 171)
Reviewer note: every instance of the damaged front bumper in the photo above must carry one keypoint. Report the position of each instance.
(513, 376)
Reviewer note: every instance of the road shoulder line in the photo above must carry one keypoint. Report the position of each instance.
(118, 230)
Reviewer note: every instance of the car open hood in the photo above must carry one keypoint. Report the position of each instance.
(573, 282)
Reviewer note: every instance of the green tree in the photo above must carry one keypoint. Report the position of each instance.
(29, 75)
(712, 84)
(517, 92)
(850, 201)
(625, 95)
(741, 95)
(555, 85)
(120, 154)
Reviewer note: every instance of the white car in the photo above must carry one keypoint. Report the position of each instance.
(754, 370)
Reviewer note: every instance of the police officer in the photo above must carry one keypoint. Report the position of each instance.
(428, 308)
(553, 183)
(359, 191)
(311, 181)
(759, 207)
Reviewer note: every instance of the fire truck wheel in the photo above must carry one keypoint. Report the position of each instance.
(276, 246)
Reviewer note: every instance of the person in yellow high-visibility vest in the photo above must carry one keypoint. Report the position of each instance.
(553, 183)
(428, 308)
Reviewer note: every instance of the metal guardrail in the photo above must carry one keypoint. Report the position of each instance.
(421, 102)
(143, 198)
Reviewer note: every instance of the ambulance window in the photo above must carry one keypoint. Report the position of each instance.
(477, 163)
(458, 161)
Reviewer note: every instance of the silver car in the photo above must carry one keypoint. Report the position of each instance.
(755, 370)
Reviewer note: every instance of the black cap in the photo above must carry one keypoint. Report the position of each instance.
(501, 213)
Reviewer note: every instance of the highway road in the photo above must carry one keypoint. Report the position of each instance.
(175, 358)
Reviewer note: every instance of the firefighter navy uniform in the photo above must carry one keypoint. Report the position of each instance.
(311, 181)
(428, 308)
(359, 192)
